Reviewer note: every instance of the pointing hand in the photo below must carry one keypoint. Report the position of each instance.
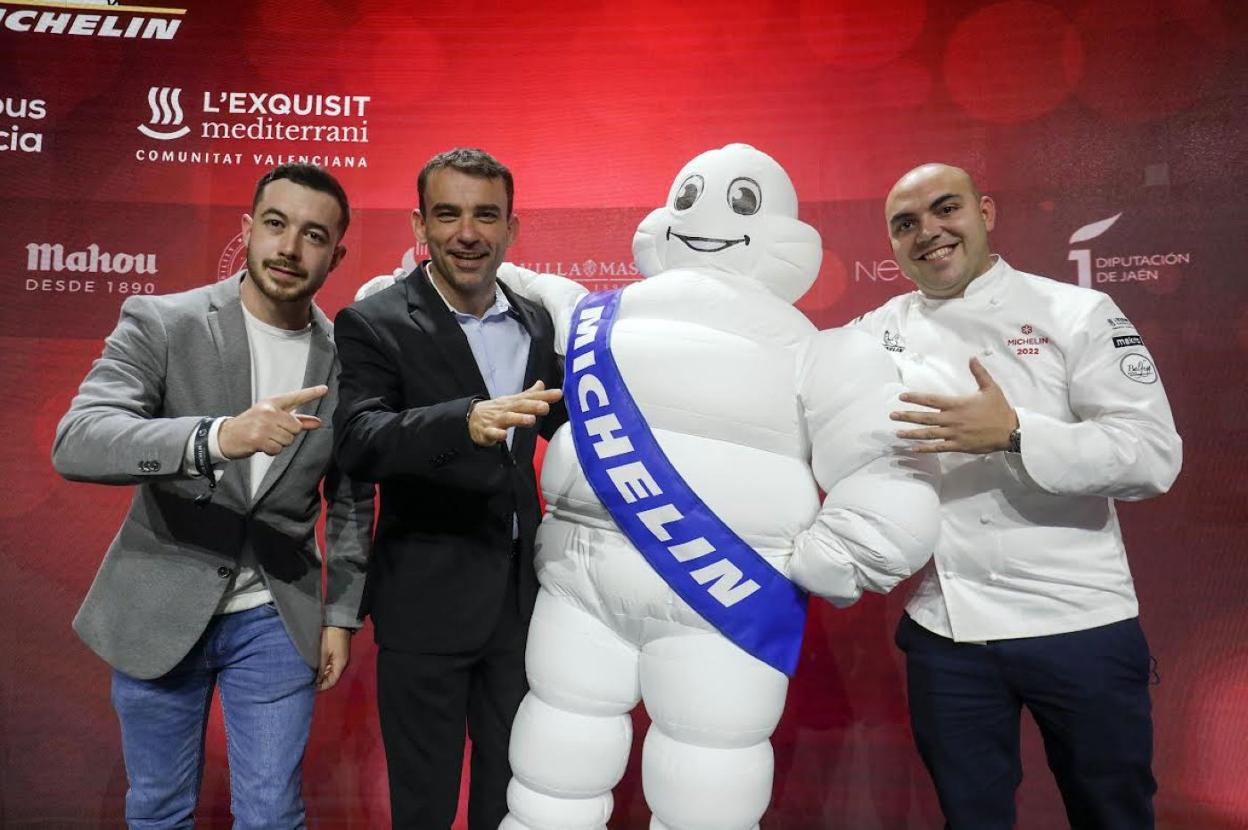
(270, 425)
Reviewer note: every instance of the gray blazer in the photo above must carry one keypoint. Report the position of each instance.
(171, 361)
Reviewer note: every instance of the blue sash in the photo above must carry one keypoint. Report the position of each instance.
(711, 568)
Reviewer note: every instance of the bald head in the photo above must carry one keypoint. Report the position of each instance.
(946, 172)
(938, 224)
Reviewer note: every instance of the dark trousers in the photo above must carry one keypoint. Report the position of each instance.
(1088, 692)
(424, 702)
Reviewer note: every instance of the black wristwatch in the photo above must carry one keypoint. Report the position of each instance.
(1016, 441)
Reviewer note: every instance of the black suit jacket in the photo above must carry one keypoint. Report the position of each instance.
(444, 537)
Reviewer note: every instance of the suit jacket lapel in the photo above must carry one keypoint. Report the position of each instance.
(321, 357)
(229, 334)
(430, 313)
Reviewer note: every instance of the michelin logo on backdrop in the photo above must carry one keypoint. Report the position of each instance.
(253, 128)
(131, 21)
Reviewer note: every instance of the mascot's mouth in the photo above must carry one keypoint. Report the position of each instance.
(707, 244)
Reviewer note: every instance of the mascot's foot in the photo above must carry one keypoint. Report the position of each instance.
(531, 810)
(655, 824)
(510, 822)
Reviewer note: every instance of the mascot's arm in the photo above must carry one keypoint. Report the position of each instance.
(379, 283)
(881, 516)
(558, 295)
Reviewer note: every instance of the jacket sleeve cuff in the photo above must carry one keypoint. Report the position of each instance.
(342, 618)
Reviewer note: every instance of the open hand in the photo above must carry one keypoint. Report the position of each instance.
(977, 423)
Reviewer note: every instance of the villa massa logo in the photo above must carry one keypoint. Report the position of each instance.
(1121, 268)
(594, 274)
(128, 21)
(167, 116)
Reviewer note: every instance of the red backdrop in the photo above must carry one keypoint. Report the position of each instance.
(138, 133)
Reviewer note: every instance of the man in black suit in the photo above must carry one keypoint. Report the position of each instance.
(444, 388)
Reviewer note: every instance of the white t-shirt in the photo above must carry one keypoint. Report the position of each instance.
(279, 361)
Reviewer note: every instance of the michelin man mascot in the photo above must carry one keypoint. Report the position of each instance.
(683, 522)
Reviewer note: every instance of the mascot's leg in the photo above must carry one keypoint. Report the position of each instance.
(707, 761)
(571, 737)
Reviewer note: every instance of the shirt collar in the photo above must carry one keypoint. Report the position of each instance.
(500, 307)
(986, 282)
(273, 331)
(982, 288)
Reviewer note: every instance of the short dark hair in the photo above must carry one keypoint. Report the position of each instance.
(468, 160)
(310, 176)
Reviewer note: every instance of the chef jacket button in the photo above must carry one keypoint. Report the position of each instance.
(224, 572)
(987, 353)
(983, 520)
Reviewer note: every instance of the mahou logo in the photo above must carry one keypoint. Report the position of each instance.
(167, 116)
(45, 257)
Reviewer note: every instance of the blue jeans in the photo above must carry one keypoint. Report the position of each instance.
(1088, 693)
(266, 696)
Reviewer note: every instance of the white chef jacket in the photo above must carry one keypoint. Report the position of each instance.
(1030, 543)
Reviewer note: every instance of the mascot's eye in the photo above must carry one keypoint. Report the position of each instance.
(688, 192)
(745, 196)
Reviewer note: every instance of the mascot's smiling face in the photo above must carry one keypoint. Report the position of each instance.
(732, 210)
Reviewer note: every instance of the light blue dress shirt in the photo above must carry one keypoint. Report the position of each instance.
(499, 343)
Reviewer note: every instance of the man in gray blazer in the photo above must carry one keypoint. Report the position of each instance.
(211, 401)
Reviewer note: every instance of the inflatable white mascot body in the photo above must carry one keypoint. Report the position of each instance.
(756, 412)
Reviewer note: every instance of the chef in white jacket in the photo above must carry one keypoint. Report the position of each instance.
(1045, 406)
